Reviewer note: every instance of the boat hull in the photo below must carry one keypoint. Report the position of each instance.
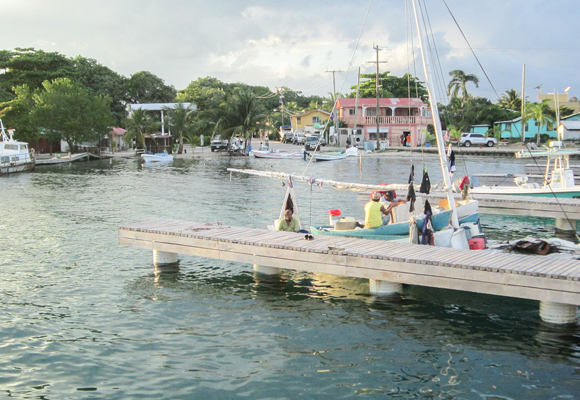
(385, 232)
(154, 158)
(567, 193)
(23, 167)
(275, 155)
(328, 157)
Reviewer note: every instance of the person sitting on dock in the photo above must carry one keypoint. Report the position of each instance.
(289, 223)
(377, 213)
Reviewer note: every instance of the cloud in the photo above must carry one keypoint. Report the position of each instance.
(277, 43)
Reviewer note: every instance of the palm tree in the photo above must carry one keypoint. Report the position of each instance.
(511, 100)
(458, 84)
(541, 113)
(181, 119)
(243, 116)
(138, 125)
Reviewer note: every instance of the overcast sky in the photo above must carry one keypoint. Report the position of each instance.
(295, 43)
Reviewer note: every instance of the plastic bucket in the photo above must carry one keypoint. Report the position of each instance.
(477, 243)
(334, 216)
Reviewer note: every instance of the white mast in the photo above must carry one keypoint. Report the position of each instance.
(436, 122)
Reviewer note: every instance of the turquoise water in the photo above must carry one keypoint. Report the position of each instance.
(85, 318)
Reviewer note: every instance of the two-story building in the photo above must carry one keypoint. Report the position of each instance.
(309, 121)
(401, 121)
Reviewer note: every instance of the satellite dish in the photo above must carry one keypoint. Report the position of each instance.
(568, 88)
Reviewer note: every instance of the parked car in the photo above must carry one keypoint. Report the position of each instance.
(288, 137)
(313, 142)
(218, 144)
(299, 138)
(468, 139)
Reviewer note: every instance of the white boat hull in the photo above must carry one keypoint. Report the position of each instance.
(275, 155)
(156, 158)
(20, 167)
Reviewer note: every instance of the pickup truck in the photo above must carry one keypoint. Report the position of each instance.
(218, 144)
(468, 139)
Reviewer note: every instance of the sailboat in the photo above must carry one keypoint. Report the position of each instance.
(458, 236)
(559, 180)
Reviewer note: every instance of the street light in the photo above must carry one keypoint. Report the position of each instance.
(557, 101)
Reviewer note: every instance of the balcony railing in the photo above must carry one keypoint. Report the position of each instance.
(391, 120)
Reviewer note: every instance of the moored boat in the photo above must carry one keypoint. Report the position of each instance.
(157, 158)
(14, 155)
(277, 154)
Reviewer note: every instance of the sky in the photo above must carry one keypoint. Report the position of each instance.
(296, 43)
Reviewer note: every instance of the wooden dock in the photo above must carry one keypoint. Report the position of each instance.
(546, 279)
(68, 158)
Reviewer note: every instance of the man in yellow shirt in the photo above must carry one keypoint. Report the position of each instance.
(289, 223)
(374, 211)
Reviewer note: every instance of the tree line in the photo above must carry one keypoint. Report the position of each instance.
(78, 99)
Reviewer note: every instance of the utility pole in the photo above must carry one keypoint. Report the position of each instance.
(334, 105)
(377, 48)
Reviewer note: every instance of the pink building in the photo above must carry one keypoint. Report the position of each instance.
(398, 118)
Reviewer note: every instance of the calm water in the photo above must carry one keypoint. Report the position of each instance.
(84, 318)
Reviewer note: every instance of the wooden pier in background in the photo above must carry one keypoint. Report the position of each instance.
(553, 281)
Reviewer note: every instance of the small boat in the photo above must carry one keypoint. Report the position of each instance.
(157, 157)
(558, 181)
(329, 156)
(14, 155)
(277, 154)
(439, 221)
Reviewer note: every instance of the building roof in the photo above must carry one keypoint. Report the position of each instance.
(571, 125)
(118, 131)
(313, 111)
(385, 102)
(570, 116)
(509, 121)
(159, 106)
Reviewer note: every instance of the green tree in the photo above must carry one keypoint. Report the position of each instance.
(243, 116)
(138, 125)
(66, 111)
(101, 80)
(181, 122)
(390, 86)
(511, 100)
(16, 113)
(541, 113)
(27, 66)
(458, 83)
(145, 87)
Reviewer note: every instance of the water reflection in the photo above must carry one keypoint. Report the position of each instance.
(489, 323)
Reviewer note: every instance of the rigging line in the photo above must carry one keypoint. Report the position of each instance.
(355, 48)
(436, 60)
(334, 109)
(470, 48)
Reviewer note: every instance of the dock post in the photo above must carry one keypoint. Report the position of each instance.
(566, 225)
(262, 269)
(384, 287)
(164, 257)
(558, 313)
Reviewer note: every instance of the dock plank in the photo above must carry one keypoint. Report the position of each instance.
(539, 278)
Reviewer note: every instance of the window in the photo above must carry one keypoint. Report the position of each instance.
(371, 112)
(315, 120)
(298, 120)
(351, 111)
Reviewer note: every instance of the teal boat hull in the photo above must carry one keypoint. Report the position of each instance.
(386, 232)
